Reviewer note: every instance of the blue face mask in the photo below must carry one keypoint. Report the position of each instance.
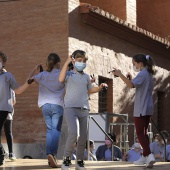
(79, 66)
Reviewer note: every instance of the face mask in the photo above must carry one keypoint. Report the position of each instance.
(137, 145)
(0, 66)
(79, 66)
(136, 69)
(108, 142)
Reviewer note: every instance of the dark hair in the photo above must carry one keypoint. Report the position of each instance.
(90, 143)
(165, 134)
(3, 56)
(52, 60)
(79, 54)
(70, 66)
(112, 136)
(146, 60)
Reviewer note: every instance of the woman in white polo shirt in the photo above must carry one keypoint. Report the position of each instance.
(50, 100)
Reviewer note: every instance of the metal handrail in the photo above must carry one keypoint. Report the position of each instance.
(91, 117)
(162, 138)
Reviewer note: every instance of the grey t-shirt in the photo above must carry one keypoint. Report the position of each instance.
(7, 82)
(77, 86)
(143, 83)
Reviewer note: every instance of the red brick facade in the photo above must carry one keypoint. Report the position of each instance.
(29, 31)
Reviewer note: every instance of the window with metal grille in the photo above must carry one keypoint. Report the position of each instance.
(106, 96)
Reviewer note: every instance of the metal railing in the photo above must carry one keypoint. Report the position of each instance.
(88, 147)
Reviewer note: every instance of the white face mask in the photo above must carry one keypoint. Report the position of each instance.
(137, 145)
(136, 69)
(0, 65)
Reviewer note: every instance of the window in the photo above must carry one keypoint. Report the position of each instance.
(106, 96)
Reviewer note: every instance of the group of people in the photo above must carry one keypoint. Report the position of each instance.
(63, 91)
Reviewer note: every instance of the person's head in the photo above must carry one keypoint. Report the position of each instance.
(165, 134)
(155, 137)
(91, 145)
(141, 60)
(80, 59)
(137, 145)
(53, 61)
(3, 60)
(108, 141)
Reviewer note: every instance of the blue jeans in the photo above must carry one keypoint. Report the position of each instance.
(53, 116)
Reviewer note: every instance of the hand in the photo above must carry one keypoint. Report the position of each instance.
(93, 79)
(103, 86)
(70, 59)
(129, 76)
(116, 72)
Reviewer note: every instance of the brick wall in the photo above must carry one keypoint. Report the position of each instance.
(115, 7)
(29, 31)
(154, 16)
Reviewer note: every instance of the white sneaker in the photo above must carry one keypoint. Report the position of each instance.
(80, 165)
(140, 161)
(150, 160)
(65, 167)
(66, 163)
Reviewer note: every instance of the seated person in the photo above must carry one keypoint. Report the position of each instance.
(135, 153)
(92, 156)
(167, 151)
(155, 137)
(104, 152)
(157, 147)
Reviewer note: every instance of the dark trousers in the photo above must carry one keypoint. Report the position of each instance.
(8, 134)
(3, 116)
(141, 125)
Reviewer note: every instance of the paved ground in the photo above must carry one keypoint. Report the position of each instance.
(40, 164)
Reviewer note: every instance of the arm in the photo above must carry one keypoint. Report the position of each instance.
(62, 74)
(23, 87)
(97, 89)
(126, 80)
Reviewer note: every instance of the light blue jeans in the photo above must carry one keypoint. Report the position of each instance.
(53, 116)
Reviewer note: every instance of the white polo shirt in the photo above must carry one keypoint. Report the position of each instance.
(50, 89)
(7, 82)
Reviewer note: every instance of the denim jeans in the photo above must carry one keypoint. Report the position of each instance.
(53, 116)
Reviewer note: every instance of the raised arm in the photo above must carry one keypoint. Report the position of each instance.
(97, 89)
(126, 80)
(63, 72)
(23, 87)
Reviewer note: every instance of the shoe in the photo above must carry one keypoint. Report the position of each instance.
(150, 160)
(12, 157)
(2, 159)
(66, 163)
(80, 165)
(52, 161)
(140, 161)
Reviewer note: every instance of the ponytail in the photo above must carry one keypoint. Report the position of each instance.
(146, 60)
(52, 60)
